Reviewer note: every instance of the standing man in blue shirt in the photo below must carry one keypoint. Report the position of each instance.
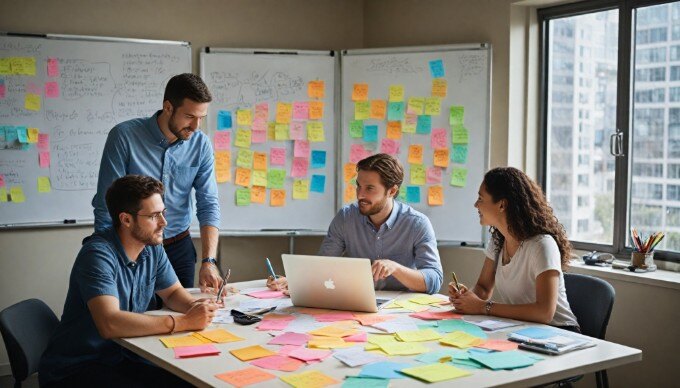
(399, 240)
(168, 147)
(112, 281)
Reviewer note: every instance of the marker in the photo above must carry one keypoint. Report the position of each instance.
(455, 281)
(224, 283)
(271, 272)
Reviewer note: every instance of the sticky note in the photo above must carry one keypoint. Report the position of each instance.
(44, 159)
(413, 194)
(459, 153)
(258, 136)
(244, 117)
(437, 372)
(350, 194)
(44, 185)
(289, 338)
(3, 89)
(275, 178)
(242, 177)
(219, 336)
(356, 153)
(3, 194)
(362, 110)
(439, 87)
(316, 89)
(418, 335)
(456, 116)
(301, 149)
(223, 120)
(378, 109)
(258, 194)
(459, 135)
(12, 134)
(433, 106)
(33, 88)
(279, 362)
(32, 135)
(244, 158)
(371, 133)
(417, 174)
(52, 89)
(410, 122)
(186, 340)
(242, 138)
(356, 129)
(259, 161)
(52, 67)
(503, 360)
(222, 140)
(395, 111)
(364, 382)
(32, 102)
(277, 156)
(459, 177)
(296, 131)
(259, 178)
(454, 325)
(301, 189)
(196, 351)
(461, 339)
(384, 370)
(244, 377)
(424, 125)
(222, 166)
(318, 159)
(23, 65)
(300, 110)
(284, 112)
(309, 379)
(299, 167)
(242, 197)
(315, 110)
(251, 353)
(416, 105)
(22, 134)
(403, 348)
(17, 194)
(315, 132)
(396, 93)
(360, 92)
(415, 154)
(394, 130)
(433, 175)
(437, 68)
(5, 66)
(435, 196)
(350, 171)
(277, 198)
(389, 146)
(262, 111)
(2, 180)
(441, 157)
(281, 132)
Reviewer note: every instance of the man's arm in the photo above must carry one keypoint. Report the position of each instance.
(113, 166)
(334, 242)
(209, 275)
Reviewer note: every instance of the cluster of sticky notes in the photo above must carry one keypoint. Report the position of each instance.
(403, 115)
(26, 66)
(24, 138)
(258, 172)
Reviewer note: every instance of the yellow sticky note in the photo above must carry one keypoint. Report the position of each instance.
(33, 135)
(415, 105)
(251, 353)
(277, 197)
(328, 343)
(433, 106)
(260, 161)
(3, 194)
(223, 166)
(309, 379)
(405, 304)
(315, 110)
(441, 157)
(244, 117)
(435, 373)
(461, 339)
(378, 109)
(439, 87)
(418, 174)
(315, 132)
(17, 194)
(350, 194)
(316, 89)
(44, 185)
(281, 132)
(186, 340)
(396, 93)
(350, 171)
(362, 110)
(360, 92)
(333, 331)
(259, 178)
(301, 189)
(219, 336)
(425, 299)
(5, 66)
(415, 154)
(244, 158)
(403, 348)
(243, 138)
(284, 112)
(418, 335)
(23, 65)
(379, 339)
(242, 177)
(258, 194)
(271, 131)
(459, 177)
(394, 130)
(32, 102)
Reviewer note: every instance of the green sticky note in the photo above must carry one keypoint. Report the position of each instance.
(244, 158)
(459, 153)
(459, 135)
(402, 195)
(437, 372)
(242, 197)
(259, 178)
(418, 174)
(243, 138)
(281, 132)
(365, 382)
(395, 111)
(275, 178)
(456, 116)
(459, 177)
(356, 129)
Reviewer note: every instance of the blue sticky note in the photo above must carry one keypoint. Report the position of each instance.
(437, 68)
(2, 133)
(450, 325)
(467, 364)
(395, 111)
(22, 134)
(459, 153)
(536, 332)
(365, 382)
(318, 159)
(318, 184)
(223, 120)
(10, 135)
(384, 370)
(413, 194)
(424, 125)
(371, 133)
(503, 360)
(479, 350)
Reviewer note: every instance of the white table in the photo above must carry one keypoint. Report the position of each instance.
(201, 371)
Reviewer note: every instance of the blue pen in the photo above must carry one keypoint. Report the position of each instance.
(271, 271)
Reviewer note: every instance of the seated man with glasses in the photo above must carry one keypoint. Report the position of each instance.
(114, 277)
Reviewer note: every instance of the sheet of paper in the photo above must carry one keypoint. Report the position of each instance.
(384, 370)
(289, 338)
(450, 325)
(219, 336)
(503, 360)
(196, 351)
(418, 335)
(305, 354)
(266, 294)
(395, 326)
(354, 357)
(244, 377)
(185, 340)
(499, 345)
(435, 373)
(403, 348)
(278, 362)
(251, 353)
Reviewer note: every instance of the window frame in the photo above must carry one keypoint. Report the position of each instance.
(624, 99)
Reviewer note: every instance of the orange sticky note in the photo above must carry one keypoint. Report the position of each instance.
(258, 194)
(223, 166)
(251, 353)
(435, 196)
(260, 161)
(415, 154)
(439, 87)
(360, 92)
(316, 89)
(394, 130)
(315, 110)
(441, 157)
(350, 170)
(378, 109)
(350, 194)
(245, 377)
(284, 112)
(242, 176)
(277, 197)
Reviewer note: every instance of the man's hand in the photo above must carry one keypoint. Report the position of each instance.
(198, 317)
(209, 279)
(383, 268)
(280, 284)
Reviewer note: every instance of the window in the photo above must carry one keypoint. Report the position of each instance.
(642, 106)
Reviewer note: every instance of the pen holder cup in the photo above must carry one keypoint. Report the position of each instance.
(643, 260)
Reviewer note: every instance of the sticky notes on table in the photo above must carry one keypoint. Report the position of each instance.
(333, 331)
(290, 339)
(185, 340)
(459, 177)
(436, 315)
(244, 377)
(396, 93)
(273, 324)
(316, 89)
(499, 345)
(266, 294)
(278, 362)
(196, 351)
(426, 299)
(360, 92)
(418, 335)
(403, 348)
(450, 325)
(384, 370)
(251, 353)
(434, 373)
(461, 339)
(370, 318)
(328, 343)
(309, 379)
(305, 354)
(355, 356)
(219, 336)
(503, 360)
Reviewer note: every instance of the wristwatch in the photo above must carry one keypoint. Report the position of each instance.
(487, 307)
(209, 260)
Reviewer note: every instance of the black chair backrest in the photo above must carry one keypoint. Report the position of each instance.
(591, 299)
(26, 328)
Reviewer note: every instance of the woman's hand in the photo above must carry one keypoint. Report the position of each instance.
(280, 284)
(468, 303)
(456, 292)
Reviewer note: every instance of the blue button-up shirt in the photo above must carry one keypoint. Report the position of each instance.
(102, 268)
(139, 147)
(406, 237)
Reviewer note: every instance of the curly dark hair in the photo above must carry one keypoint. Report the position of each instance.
(528, 211)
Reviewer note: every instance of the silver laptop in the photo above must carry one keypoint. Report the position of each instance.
(339, 283)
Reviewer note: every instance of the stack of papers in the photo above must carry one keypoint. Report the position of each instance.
(548, 341)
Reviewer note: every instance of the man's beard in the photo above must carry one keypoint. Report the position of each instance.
(375, 209)
(147, 238)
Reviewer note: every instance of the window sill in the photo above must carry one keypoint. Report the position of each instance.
(658, 278)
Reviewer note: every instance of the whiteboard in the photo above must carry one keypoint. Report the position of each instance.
(92, 84)
(467, 71)
(241, 79)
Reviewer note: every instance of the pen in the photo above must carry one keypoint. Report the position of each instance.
(455, 280)
(271, 272)
(224, 283)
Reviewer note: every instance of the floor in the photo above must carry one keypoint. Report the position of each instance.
(8, 381)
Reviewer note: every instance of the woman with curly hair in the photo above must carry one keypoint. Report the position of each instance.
(525, 257)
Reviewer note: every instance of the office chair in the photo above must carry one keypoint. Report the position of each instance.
(26, 328)
(591, 300)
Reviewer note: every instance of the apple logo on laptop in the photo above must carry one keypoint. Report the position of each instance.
(329, 284)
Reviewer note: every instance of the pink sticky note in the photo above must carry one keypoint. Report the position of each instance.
(2, 180)
(196, 351)
(277, 156)
(278, 362)
(261, 112)
(301, 149)
(300, 110)
(500, 345)
(273, 324)
(3, 90)
(305, 354)
(258, 136)
(222, 140)
(438, 139)
(361, 337)
(356, 153)
(434, 175)
(33, 89)
(44, 159)
(286, 349)
(52, 67)
(43, 142)
(389, 146)
(259, 125)
(434, 316)
(52, 89)
(266, 294)
(299, 167)
(296, 131)
(333, 317)
(290, 339)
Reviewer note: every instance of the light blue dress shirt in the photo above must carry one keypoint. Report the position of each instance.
(139, 147)
(406, 237)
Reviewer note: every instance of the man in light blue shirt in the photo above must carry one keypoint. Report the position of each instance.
(399, 240)
(168, 147)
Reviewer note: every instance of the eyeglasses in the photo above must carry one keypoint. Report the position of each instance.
(154, 216)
